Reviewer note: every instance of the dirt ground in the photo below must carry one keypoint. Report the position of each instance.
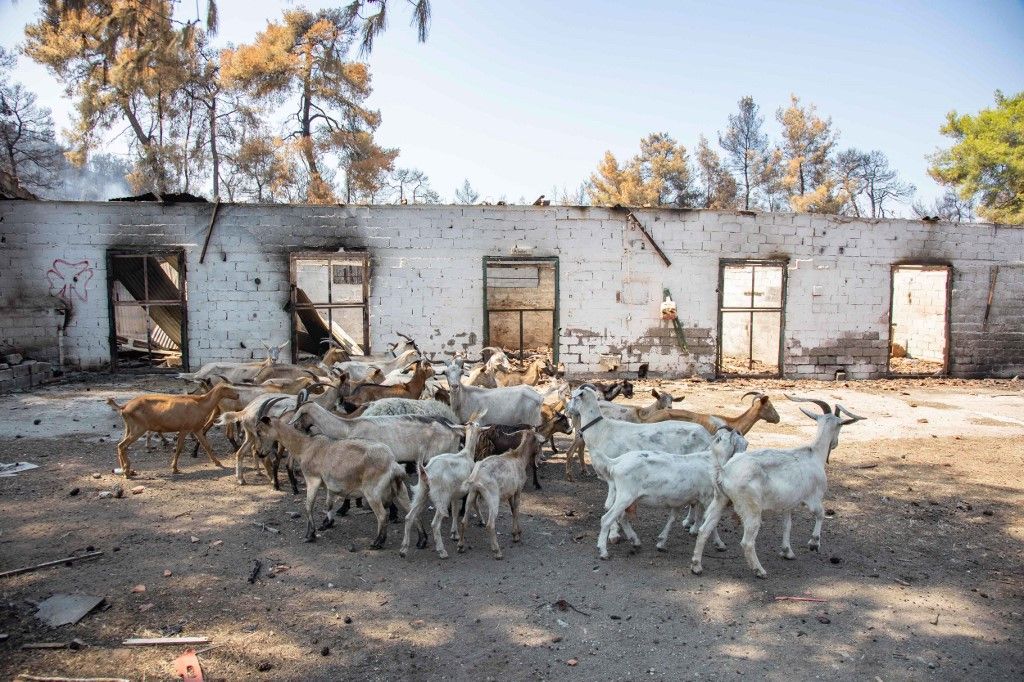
(921, 569)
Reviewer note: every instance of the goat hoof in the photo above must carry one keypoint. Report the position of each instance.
(421, 544)
(462, 550)
(760, 573)
(813, 546)
(787, 553)
(602, 557)
(660, 548)
(402, 552)
(309, 538)
(377, 545)
(442, 555)
(325, 525)
(696, 568)
(721, 547)
(499, 557)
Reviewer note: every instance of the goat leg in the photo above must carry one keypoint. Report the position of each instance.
(345, 506)
(533, 466)
(328, 521)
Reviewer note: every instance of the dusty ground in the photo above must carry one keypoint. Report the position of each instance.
(922, 567)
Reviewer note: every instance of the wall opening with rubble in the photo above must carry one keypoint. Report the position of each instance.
(918, 323)
(424, 278)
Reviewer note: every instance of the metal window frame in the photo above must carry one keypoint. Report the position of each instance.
(555, 312)
(947, 311)
(781, 263)
(182, 303)
(294, 307)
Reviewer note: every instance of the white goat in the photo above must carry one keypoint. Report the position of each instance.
(663, 480)
(392, 407)
(374, 372)
(441, 482)
(776, 480)
(412, 438)
(510, 406)
(236, 372)
(497, 479)
(610, 410)
(607, 438)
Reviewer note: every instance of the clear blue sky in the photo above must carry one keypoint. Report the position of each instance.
(520, 96)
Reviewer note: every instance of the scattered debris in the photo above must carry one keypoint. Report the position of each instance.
(45, 645)
(935, 621)
(105, 495)
(139, 588)
(187, 667)
(160, 641)
(66, 609)
(256, 566)
(326, 651)
(825, 620)
(137, 490)
(74, 491)
(279, 568)
(195, 539)
(146, 607)
(572, 662)
(167, 573)
(563, 605)
(266, 527)
(813, 599)
(16, 468)
(66, 560)
(50, 678)
(216, 543)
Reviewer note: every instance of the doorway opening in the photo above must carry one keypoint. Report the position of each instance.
(330, 295)
(521, 306)
(919, 320)
(751, 317)
(148, 311)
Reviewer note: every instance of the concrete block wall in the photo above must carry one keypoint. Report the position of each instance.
(427, 278)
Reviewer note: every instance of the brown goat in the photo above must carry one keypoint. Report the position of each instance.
(168, 413)
(413, 389)
(760, 408)
(529, 377)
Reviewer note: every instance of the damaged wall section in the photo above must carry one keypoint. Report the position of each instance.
(427, 280)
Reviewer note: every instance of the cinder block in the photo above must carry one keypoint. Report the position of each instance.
(13, 358)
(22, 370)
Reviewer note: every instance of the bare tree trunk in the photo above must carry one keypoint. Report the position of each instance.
(214, 155)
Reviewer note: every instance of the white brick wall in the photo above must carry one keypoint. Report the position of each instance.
(427, 278)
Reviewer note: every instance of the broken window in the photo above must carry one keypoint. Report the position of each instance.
(521, 305)
(148, 311)
(918, 338)
(330, 295)
(752, 297)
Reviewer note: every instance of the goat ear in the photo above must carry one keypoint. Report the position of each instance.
(809, 413)
(655, 393)
(676, 400)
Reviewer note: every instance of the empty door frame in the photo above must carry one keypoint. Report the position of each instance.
(181, 302)
(362, 258)
(723, 263)
(947, 309)
(554, 310)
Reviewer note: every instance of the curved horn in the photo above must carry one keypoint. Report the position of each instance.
(312, 374)
(756, 394)
(852, 417)
(265, 407)
(302, 397)
(223, 379)
(825, 407)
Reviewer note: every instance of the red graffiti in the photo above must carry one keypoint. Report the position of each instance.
(69, 280)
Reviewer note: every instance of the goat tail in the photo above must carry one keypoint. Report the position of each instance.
(113, 404)
(424, 480)
(398, 480)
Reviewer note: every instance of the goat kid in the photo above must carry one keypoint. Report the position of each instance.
(441, 481)
(496, 479)
(667, 481)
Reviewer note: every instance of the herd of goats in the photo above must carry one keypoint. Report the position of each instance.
(359, 427)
